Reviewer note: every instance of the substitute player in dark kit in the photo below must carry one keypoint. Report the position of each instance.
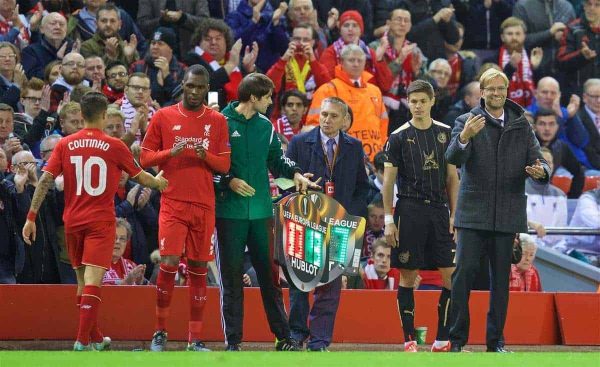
(421, 229)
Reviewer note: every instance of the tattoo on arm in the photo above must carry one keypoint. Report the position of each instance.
(41, 190)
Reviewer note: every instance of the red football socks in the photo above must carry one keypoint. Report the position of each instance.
(164, 292)
(96, 335)
(88, 312)
(197, 291)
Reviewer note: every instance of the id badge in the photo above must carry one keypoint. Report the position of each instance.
(329, 188)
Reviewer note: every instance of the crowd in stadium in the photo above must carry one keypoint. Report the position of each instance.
(52, 52)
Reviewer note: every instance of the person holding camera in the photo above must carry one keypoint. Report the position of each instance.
(299, 67)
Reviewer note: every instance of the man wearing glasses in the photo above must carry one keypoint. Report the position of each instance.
(439, 76)
(72, 73)
(116, 80)
(497, 150)
(137, 105)
(25, 121)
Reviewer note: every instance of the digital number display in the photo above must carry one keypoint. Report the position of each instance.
(338, 243)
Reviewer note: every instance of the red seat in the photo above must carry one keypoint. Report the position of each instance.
(562, 182)
(591, 183)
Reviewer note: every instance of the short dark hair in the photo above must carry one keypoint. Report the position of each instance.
(113, 64)
(196, 69)
(542, 111)
(292, 93)
(420, 86)
(379, 160)
(218, 25)
(109, 7)
(255, 84)
(315, 35)
(93, 106)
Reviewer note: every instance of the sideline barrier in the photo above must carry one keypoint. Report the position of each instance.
(579, 318)
(365, 316)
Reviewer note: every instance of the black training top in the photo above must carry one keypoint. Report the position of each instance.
(419, 156)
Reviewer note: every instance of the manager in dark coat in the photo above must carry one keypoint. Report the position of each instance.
(337, 158)
(496, 149)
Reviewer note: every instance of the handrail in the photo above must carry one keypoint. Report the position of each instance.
(585, 231)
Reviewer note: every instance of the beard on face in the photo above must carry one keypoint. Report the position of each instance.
(73, 78)
(115, 88)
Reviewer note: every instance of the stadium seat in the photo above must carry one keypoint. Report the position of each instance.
(591, 182)
(562, 182)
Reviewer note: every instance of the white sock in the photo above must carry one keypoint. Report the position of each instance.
(440, 344)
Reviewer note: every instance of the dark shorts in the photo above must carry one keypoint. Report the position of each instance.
(424, 237)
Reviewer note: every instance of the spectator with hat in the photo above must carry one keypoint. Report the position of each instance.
(161, 66)
(351, 28)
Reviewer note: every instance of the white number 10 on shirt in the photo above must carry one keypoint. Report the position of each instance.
(83, 173)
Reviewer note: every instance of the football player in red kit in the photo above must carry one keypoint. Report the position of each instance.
(91, 163)
(189, 141)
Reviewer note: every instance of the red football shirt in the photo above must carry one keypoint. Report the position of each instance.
(190, 178)
(91, 163)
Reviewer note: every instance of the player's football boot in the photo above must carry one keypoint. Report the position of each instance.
(197, 347)
(322, 349)
(287, 345)
(103, 345)
(78, 347)
(233, 348)
(159, 341)
(445, 348)
(411, 347)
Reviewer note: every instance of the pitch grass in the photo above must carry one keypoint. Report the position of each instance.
(304, 359)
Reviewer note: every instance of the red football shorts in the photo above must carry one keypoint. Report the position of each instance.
(186, 229)
(91, 244)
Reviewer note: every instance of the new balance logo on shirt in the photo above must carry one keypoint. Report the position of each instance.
(235, 134)
(176, 127)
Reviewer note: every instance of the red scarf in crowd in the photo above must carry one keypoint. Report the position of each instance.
(520, 88)
(456, 65)
(23, 39)
(397, 92)
(372, 281)
(111, 94)
(234, 78)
